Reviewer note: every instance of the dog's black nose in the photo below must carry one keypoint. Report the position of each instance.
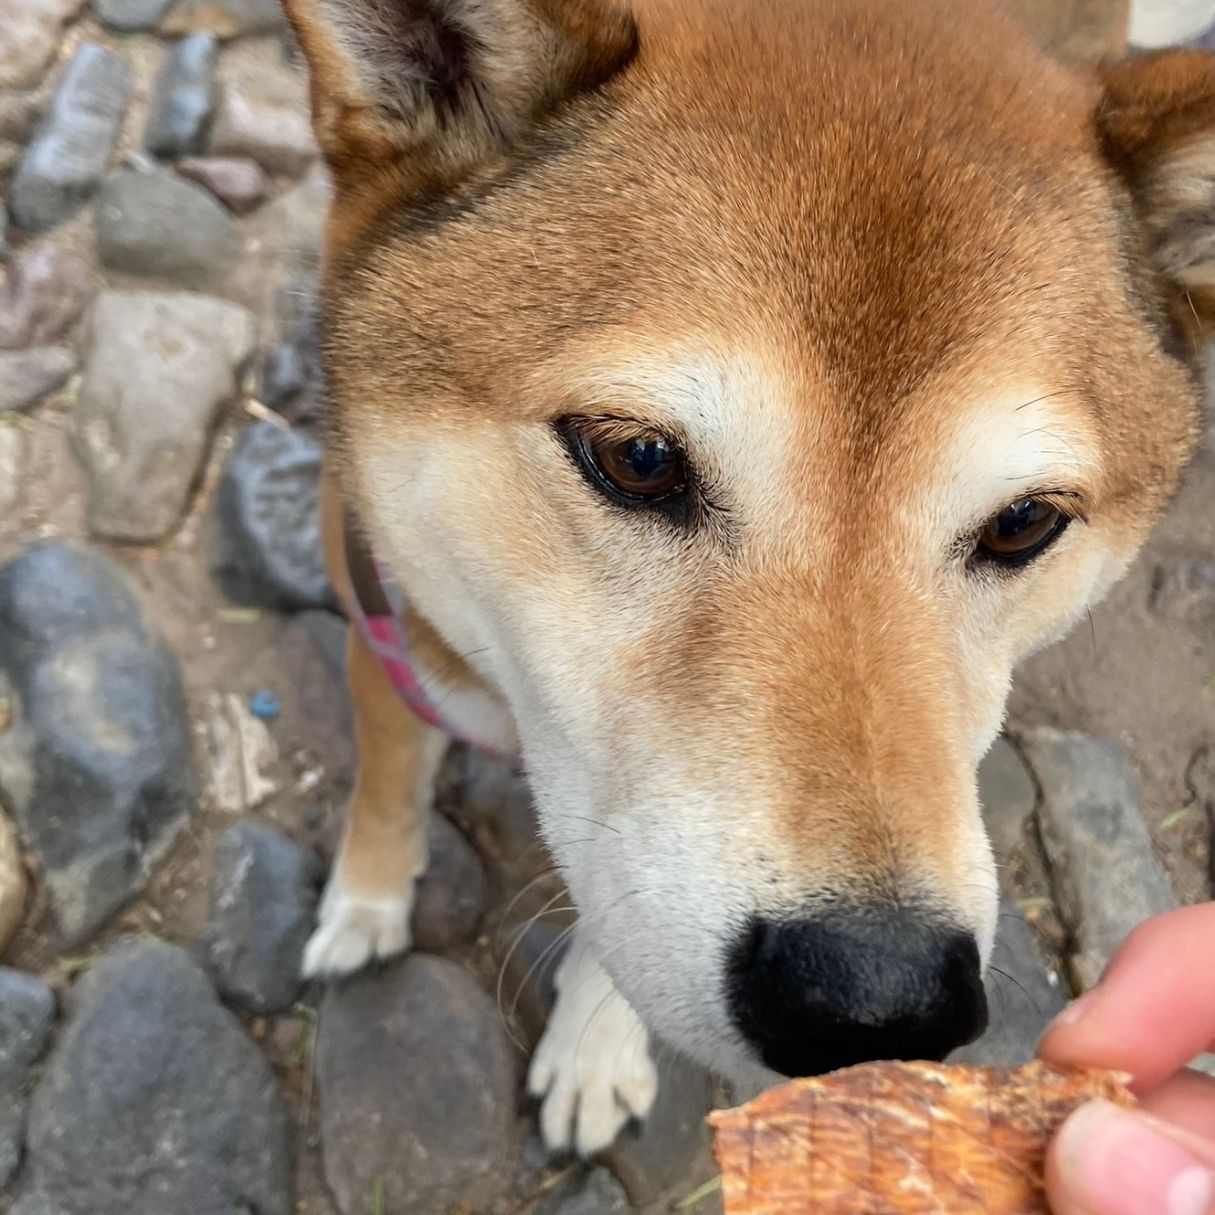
(820, 993)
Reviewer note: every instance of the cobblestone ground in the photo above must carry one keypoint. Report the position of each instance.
(175, 745)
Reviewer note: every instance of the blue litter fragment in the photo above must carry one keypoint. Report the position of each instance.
(265, 705)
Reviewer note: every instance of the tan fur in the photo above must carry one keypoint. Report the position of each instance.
(839, 245)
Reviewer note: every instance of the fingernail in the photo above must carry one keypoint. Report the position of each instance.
(1112, 1161)
(1077, 1010)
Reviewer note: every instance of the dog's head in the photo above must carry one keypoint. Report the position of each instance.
(745, 388)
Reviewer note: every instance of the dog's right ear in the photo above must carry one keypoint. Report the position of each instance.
(447, 82)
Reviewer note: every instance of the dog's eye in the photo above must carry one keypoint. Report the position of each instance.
(1021, 531)
(634, 467)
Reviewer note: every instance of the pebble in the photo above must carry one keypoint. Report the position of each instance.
(263, 111)
(267, 522)
(451, 894)
(29, 38)
(263, 908)
(1106, 875)
(1008, 795)
(130, 16)
(671, 1155)
(159, 367)
(1185, 590)
(241, 185)
(241, 754)
(45, 291)
(97, 764)
(69, 155)
(1021, 999)
(26, 376)
(14, 886)
(223, 18)
(154, 1101)
(27, 1011)
(303, 667)
(595, 1193)
(184, 98)
(159, 226)
(417, 1090)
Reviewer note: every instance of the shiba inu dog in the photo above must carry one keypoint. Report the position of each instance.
(733, 391)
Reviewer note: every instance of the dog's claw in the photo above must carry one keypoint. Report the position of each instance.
(592, 1069)
(353, 931)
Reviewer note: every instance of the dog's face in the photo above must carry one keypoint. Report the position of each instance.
(744, 392)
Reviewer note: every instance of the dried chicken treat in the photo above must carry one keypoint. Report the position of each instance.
(902, 1139)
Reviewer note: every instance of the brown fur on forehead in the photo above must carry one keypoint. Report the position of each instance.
(881, 197)
(860, 183)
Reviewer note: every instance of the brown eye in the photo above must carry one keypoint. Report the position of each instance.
(1021, 531)
(637, 468)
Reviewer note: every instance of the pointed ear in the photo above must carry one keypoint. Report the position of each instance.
(449, 80)
(1157, 123)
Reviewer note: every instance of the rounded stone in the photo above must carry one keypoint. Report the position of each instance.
(417, 1087)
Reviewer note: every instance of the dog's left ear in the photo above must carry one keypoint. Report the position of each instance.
(440, 85)
(1157, 123)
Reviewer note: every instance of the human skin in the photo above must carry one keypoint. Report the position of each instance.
(1151, 1014)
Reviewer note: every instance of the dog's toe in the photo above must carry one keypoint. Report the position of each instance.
(353, 931)
(592, 1069)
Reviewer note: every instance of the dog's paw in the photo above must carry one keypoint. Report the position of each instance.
(592, 1069)
(352, 930)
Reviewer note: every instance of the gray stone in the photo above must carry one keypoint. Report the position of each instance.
(129, 16)
(595, 1193)
(45, 291)
(1020, 997)
(29, 38)
(417, 1089)
(1184, 589)
(72, 149)
(26, 376)
(263, 907)
(531, 954)
(158, 225)
(671, 1154)
(263, 111)
(267, 514)
(1007, 794)
(283, 376)
(223, 18)
(159, 368)
(184, 99)
(1106, 876)
(451, 895)
(154, 1101)
(27, 1010)
(240, 185)
(96, 764)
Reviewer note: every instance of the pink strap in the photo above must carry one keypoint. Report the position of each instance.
(384, 632)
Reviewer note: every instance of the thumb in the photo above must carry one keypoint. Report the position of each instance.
(1112, 1161)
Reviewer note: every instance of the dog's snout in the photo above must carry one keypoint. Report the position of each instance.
(815, 994)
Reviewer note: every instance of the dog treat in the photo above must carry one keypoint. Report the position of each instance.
(902, 1139)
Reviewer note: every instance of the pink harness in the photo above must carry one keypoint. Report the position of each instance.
(379, 614)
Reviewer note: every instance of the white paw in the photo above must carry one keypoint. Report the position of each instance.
(352, 931)
(592, 1068)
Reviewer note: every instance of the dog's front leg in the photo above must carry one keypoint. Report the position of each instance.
(368, 902)
(592, 1069)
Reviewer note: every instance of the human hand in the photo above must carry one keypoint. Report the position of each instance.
(1151, 1014)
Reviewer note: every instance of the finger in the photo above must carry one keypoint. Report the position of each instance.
(1154, 1009)
(1111, 1161)
(1187, 1100)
